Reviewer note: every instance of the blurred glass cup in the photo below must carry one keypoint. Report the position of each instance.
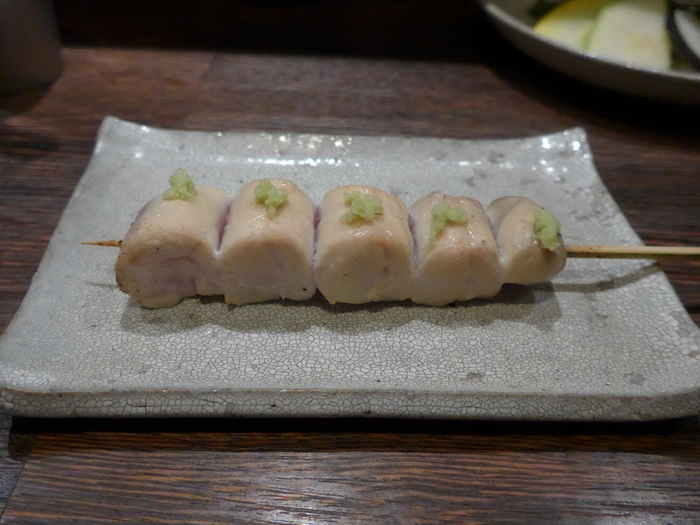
(30, 46)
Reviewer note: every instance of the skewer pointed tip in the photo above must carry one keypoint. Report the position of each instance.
(114, 244)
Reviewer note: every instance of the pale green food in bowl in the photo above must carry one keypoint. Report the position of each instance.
(516, 21)
(629, 31)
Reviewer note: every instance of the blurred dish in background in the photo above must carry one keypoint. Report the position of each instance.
(515, 20)
(684, 32)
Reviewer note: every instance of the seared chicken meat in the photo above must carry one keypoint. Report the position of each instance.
(265, 257)
(524, 259)
(363, 259)
(171, 250)
(458, 263)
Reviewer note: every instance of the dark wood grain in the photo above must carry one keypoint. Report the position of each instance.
(358, 471)
(376, 68)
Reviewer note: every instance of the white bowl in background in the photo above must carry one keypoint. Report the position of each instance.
(512, 20)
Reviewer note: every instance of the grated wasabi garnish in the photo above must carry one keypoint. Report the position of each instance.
(362, 207)
(265, 193)
(547, 229)
(442, 214)
(181, 187)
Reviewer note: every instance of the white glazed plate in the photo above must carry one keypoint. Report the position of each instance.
(607, 340)
(512, 20)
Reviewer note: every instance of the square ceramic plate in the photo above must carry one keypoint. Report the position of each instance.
(606, 340)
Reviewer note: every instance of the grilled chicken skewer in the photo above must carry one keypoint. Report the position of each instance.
(573, 251)
(259, 246)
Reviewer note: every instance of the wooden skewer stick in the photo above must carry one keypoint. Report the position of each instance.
(633, 252)
(114, 244)
(579, 251)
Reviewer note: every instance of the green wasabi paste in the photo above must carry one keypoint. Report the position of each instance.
(181, 187)
(362, 207)
(265, 193)
(547, 229)
(442, 214)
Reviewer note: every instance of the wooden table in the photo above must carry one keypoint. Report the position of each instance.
(382, 68)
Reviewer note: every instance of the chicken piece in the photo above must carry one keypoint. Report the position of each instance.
(524, 259)
(266, 257)
(461, 261)
(170, 250)
(360, 260)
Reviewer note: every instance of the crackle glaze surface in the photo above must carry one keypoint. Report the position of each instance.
(606, 340)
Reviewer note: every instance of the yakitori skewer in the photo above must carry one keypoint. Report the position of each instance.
(361, 245)
(577, 251)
